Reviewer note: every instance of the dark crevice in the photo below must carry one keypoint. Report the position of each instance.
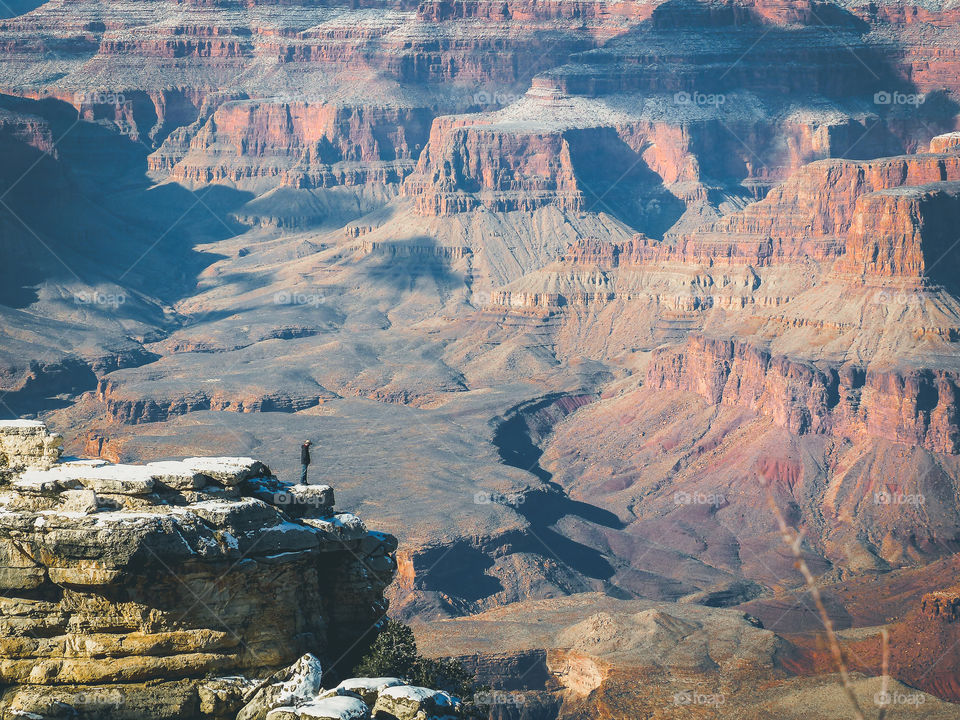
(544, 508)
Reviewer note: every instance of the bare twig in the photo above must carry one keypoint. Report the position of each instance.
(794, 540)
(885, 677)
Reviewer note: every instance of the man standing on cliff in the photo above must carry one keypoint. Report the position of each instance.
(304, 461)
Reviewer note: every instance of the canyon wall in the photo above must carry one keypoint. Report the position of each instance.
(908, 233)
(302, 145)
(916, 407)
(820, 199)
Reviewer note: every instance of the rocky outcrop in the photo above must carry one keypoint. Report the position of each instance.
(29, 130)
(819, 203)
(305, 145)
(945, 143)
(296, 693)
(466, 165)
(943, 605)
(146, 581)
(916, 407)
(905, 233)
(27, 445)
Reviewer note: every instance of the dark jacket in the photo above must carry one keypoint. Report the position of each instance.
(304, 455)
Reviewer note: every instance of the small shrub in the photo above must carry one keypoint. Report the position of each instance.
(394, 654)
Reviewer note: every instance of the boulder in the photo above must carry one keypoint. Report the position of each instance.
(339, 527)
(83, 502)
(227, 470)
(368, 689)
(341, 707)
(294, 500)
(222, 698)
(294, 686)
(176, 475)
(410, 702)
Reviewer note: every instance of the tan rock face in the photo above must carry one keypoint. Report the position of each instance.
(945, 143)
(116, 575)
(26, 444)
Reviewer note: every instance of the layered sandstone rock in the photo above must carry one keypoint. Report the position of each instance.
(917, 407)
(945, 143)
(818, 204)
(905, 233)
(26, 444)
(596, 154)
(120, 577)
(690, 60)
(151, 69)
(305, 145)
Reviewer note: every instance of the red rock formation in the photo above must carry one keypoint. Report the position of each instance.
(99, 445)
(305, 145)
(31, 131)
(466, 164)
(904, 233)
(819, 202)
(942, 605)
(530, 10)
(918, 407)
(476, 160)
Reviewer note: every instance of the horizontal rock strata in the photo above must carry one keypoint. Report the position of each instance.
(118, 577)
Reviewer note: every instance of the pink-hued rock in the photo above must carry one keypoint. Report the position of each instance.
(917, 407)
(904, 233)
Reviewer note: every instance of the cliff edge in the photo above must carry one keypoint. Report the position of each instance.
(141, 590)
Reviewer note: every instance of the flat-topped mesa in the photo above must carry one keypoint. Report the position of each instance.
(915, 407)
(145, 581)
(644, 159)
(467, 165)
(907, 233)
